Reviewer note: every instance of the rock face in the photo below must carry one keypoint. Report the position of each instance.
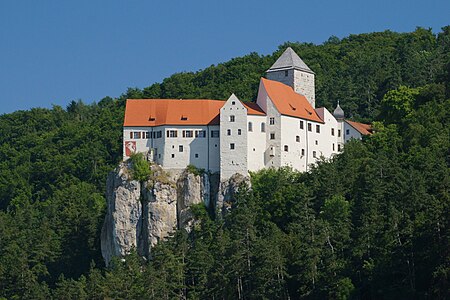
(227, 190)
(140, 214)
(123, 218)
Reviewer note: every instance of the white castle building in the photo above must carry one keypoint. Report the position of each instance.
(282, 128)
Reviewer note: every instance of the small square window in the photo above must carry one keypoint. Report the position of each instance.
(272, 136)
(180, 148)
(317, 142)
(173, 155)
(232, 118)
(239, 132)
(196, 155)
(228, 131)
(233, 103)
(347, 132)
(286, 148)
(232, 146)
(297, 139)
(318, 128)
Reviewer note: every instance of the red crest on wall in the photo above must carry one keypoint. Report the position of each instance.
(130, 147)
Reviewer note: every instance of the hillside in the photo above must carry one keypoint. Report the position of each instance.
(373, 223)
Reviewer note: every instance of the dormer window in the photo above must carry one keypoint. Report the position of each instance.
(151, 118)
(183, 118)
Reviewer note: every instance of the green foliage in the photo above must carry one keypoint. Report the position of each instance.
(140, 167)
(194, 170)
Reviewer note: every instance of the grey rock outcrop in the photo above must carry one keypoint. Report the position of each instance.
(123, 218)
(227, 189)
(140, 214)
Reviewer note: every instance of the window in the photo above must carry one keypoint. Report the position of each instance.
(200, 134)
(339, 147)
(180, 148)
(333, 146)
(285, 73)
(301, 124)
(286, 148)
(131, 134)
(339, 133)
(303, 152)
(347, 132)
(318, 128)
(214, 133)
(297, 139)
(309, 127)
(137, 135)
(239, 132)
(196, 155)
(263, 127)
(173, 155)
(250, 126)
(233, 102)
(172, 133)
(314, 154)
(272, 121)
(232, 118)
(188, 133)
(317, 142)
(228, 131)
(272, 136)
(147, 135)
(232, 146)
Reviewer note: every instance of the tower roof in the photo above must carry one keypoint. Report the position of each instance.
(338, 112)
(289, 60)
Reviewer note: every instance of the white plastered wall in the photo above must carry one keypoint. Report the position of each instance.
(234, 133)
(352, 132)
(256, 141)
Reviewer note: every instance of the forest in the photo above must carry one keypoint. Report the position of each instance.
(371, 223)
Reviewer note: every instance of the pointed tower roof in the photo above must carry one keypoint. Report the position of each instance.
(289, 60)
(339, 112)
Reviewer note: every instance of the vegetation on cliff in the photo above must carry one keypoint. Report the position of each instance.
(372, 223)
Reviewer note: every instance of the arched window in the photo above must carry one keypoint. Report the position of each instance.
(250, 126)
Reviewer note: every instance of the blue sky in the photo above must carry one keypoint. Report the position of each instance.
(53, 51)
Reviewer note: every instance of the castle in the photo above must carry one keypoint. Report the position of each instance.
(282, 128)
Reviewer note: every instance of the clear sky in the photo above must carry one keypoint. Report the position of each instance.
(55, 51)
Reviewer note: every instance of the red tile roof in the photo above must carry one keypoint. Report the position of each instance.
(288, 102)
(362, 128)
(157, 112)
(253, 109)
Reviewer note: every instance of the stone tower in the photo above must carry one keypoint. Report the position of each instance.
(291, 70)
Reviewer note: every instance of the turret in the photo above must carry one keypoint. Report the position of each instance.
(339, 113)
(291, 70)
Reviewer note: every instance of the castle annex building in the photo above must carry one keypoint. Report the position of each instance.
(282, 128)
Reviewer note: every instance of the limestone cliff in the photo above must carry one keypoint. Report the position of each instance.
(140, 214)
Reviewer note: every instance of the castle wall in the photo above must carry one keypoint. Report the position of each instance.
(350, 133)
(256, 142)
(233, 139)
